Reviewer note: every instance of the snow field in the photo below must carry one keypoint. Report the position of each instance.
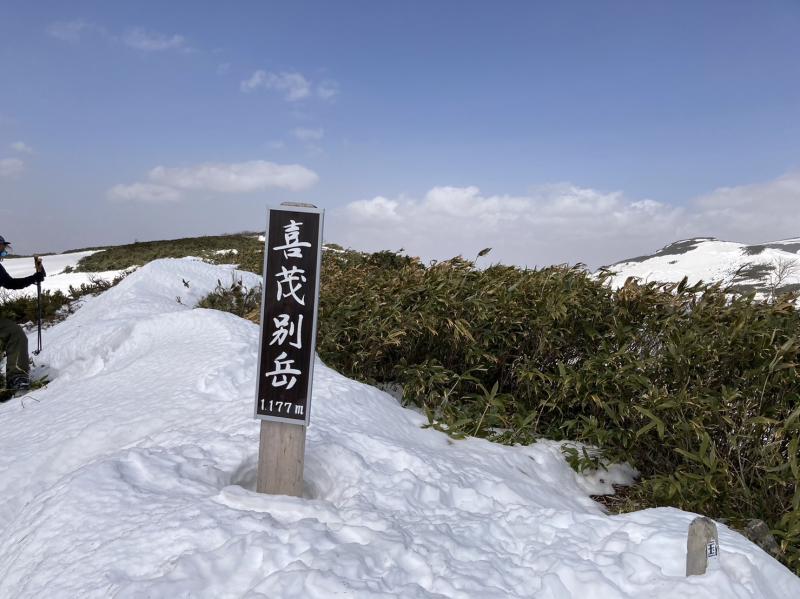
(133, 476)
(57, 279)
(711, 261)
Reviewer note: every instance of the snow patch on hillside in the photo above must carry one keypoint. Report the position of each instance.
(57, 279)
(132, 475)
(711, 260)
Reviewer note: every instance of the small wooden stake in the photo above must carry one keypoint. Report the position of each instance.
(702, 544)
(280, 458)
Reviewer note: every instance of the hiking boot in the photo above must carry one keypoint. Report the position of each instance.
(19, 383)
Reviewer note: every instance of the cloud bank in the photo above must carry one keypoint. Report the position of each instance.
(254, 175)
(755, 212)
(11, 167)
(166, 184)
(143, 192)
(563, 223)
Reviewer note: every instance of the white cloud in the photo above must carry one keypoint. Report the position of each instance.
(783, 192)
(569, 200)
(327, 89)
(152, 41)
(21, 147)
(294, 86)
(304, 134)
(376, 209)
(752, 213)
(70, 31)
(563, 222)
(168, 184)
(143, 192)
(552, 224)
(256, 80)
(135, 37)
(254, 175)
(11, 167)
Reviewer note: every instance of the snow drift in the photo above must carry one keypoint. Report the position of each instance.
(132, 475)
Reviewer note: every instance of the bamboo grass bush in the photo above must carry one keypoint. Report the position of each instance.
(249, 252)
(56, 305)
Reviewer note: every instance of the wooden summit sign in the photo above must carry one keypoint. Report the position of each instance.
(292, 259)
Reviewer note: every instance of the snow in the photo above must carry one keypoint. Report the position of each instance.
(132, 475)
(57, 279)
(790, 241)
(710, 261)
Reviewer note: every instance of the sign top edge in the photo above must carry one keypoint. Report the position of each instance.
(282, 208)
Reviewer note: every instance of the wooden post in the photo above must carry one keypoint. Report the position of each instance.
(702, 544)
(281, 456)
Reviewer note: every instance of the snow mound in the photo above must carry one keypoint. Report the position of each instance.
(132, 475)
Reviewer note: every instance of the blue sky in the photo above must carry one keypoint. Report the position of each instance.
(574, 131)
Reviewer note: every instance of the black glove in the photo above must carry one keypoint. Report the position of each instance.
(40, 274)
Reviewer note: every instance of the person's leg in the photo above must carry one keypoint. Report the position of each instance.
(15, 342)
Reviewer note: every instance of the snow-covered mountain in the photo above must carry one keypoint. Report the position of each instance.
(766, 268)
(132, 475)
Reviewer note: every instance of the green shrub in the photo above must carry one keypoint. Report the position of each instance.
(249, 252)
(234, 298)
(25, 309)
(55, 304)
(95, 285)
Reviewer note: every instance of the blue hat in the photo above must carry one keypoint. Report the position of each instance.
(3, 241)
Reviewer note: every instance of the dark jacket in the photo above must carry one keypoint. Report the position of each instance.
(10, 282)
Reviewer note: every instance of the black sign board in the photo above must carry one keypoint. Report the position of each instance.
(292, 259)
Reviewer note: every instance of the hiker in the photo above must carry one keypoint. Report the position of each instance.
(12, 338)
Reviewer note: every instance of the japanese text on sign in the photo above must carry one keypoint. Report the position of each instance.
(291, 281)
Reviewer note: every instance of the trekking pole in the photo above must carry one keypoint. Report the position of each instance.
(38, 350)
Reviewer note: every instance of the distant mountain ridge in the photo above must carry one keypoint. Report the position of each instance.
(768, 269)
